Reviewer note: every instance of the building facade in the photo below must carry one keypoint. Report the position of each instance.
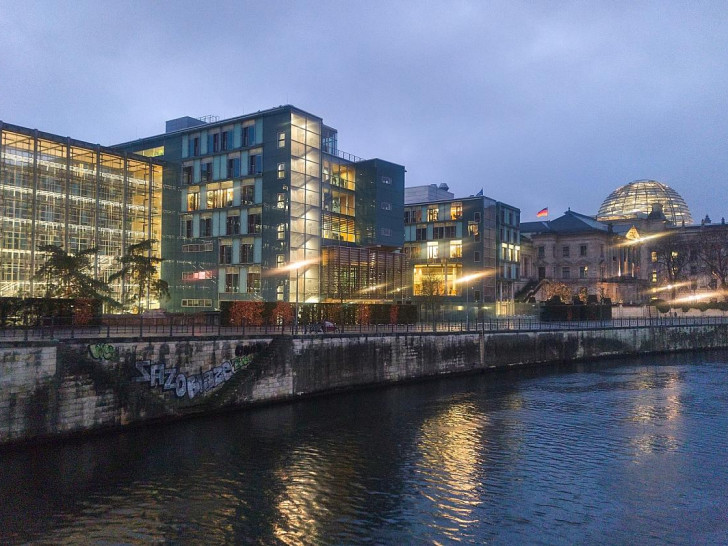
(259, 199)
(59, 191)
(462, 251)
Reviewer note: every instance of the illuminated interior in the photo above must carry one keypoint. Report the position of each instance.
(437, 279)
(637, 199)
(339, 207)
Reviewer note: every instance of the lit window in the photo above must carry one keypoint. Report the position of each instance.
(432, 250)
(281, 140)
(653, 256)
(456, 211)
(432, 214)
(281, 232)
(456, 249)
(280, 260)
(583, 272)
(386, 206)
(281, 170)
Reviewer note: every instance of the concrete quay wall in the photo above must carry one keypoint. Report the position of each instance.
(57, 389)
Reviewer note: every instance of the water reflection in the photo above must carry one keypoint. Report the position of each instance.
(622, 453)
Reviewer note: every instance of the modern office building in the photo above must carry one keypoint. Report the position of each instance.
(462, 250)
(65, 192)
(266, 202)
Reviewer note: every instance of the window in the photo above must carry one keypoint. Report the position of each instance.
(386, 180)
(565, 273)
(654, 276)
(253, 283)
(233, 167)
(583, 272)
(473, 229)
(187, 173)
(476, 256)
(206, 171)
(281, 140)
(205, 227)
(198, 275)
(476, 295)
(280, 260)
(216, 142)
(281, 232)
(193, 200)
(227, 140)
(232, 282)
(226, 254)
(406, 217)
(187, 228)
(456, 249)
(281, 201)
(541, 273)
(432, 251)
(565, 251)
(217, 199)
(281, 170)
(476, 217)
(456, 211)
(247, 195)
(653, 256)
(438, 232)
(232, 227)
(421, 234)
(249, 135)
(449, 232)
(198, 247)
(196, 303)
(194, 146)
(582, 250)
(386, 206)
(432, 214)
(541, 252)
(386, 232)
(255, 164)
(246, 253)
(254, 223)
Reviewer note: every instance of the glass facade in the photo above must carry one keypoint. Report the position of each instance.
(55, 190)
(638, 198)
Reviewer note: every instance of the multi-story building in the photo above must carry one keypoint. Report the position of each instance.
(462, 250)
(265, 203)
(60, 191)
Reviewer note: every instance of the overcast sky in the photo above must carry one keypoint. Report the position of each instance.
(540, 104)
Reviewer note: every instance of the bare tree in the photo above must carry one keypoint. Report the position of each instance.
(712, 251)
(672, 258)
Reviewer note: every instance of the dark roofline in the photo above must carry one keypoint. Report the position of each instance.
(75, 142)
(235, 119)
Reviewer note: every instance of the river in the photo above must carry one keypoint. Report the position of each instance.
(610, 452)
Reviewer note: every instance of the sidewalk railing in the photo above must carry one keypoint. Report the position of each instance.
(175, 329)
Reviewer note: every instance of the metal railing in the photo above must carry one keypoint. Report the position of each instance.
(159, 328)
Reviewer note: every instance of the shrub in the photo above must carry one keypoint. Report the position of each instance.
(249, 313)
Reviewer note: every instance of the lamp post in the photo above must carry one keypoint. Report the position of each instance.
(295, 314)
(467, 307)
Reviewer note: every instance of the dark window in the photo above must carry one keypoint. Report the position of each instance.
(438, 232)
(226, 254)
(406, 217)
(541, 252)
(233, 225)
(232, 282)
(233, 167)
(254, 223)
(582, 250)
(565, 273)
(476, 256)
(187, 173)
(249, 135)
(227, 140)
(541, 273)
(206, 171)
(194, 148)
(476, 216)
(216, 142)
(248, 195)
(205, 227)
(421, 234)
(565, 252)
(449, 232)
(246, 253)
(255, 164)
(188, 228)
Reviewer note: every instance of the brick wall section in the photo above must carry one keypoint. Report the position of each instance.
(65, 388)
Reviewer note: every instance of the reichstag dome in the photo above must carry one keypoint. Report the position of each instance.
(635, 200)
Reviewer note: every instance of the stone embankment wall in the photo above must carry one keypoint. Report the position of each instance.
(67, 388)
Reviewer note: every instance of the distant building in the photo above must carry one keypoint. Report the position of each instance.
(462, 250)
(76, 195)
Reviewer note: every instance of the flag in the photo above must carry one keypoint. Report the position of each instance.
(480, 193)
(542, 213)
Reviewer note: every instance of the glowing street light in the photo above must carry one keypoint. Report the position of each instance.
(296, 266)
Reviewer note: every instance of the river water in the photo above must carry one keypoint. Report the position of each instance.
(612, 452)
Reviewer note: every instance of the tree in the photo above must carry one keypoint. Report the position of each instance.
(246, 313)
(139, 269)
(282, 313)
(713, 252)
(671, 258)
(69, 275)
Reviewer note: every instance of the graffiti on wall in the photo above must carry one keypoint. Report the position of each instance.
(102, 351)
(191, 384)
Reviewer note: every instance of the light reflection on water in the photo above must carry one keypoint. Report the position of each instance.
(625, 452)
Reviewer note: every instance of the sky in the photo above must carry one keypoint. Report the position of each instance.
(540, 104)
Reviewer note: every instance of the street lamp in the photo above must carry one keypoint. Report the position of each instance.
(467, 279)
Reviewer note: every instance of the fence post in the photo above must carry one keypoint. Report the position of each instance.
(108, 330)
(141, 325)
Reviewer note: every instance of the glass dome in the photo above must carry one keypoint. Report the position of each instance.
(636, 199)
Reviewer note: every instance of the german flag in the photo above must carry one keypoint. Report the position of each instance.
(542, 213)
